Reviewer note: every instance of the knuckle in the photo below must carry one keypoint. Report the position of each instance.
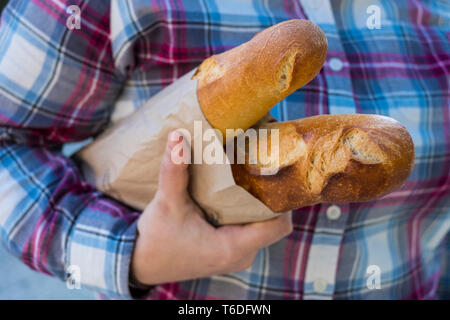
(236, 259)
(161, 204)
(249, 262)
(245, 264)
(239, 268)
(289, 228)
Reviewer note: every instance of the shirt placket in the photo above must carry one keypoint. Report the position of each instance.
(336, 67)
(323, 257)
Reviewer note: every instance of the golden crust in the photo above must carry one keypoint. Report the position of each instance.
(238, 87)
(348, 158)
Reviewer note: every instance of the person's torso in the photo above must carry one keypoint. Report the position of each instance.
(399, 70)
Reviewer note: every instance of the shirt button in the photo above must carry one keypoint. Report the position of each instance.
(320, 285)
(333, 212)
(336, 64)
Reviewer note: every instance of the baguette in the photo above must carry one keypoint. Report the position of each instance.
(330, 158)
(238, 87)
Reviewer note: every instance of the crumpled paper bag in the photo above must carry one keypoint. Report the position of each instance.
(123, 162)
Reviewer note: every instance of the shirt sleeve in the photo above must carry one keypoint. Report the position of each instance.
(58, 85)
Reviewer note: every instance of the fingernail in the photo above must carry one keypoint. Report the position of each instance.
(174, 138)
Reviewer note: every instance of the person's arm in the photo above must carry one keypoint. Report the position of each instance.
(58, 85)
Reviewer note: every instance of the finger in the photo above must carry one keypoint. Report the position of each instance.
(173, 175)
(265, 233)
(257, 235)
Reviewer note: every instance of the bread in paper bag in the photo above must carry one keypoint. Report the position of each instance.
(232, 90)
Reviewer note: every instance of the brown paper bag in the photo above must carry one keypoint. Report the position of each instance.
(124, 161)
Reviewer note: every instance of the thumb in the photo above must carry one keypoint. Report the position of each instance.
(173, 174)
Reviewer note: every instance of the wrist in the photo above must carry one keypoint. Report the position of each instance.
(137, 287)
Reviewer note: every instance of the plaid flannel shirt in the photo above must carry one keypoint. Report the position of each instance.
(59, 86)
